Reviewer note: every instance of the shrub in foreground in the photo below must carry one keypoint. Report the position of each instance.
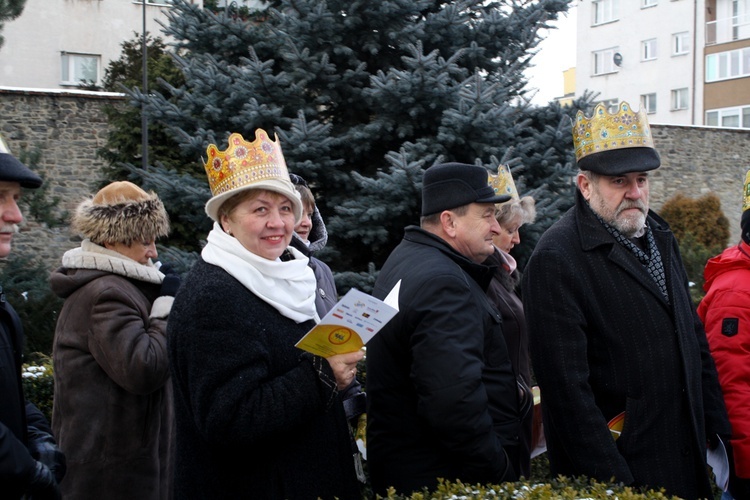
(561, 488)
(38, 383)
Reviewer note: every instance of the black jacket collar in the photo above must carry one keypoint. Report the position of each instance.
(480, 273)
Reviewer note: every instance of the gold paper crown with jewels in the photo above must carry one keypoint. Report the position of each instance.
(502, 182)
(244, 162)
(248, 165)
(746, 192)
(608, 131)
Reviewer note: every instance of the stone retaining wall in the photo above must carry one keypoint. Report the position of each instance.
(698, 160)
(69, 127)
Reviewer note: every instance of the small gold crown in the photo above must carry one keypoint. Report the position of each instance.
(606, 131)
(502, 182)
(746, 202)
(244, 163)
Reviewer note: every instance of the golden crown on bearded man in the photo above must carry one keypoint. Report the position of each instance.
(607, 131)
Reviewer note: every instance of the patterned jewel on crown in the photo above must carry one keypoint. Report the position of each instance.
(244, 163)
(606, 131)
(502, 182)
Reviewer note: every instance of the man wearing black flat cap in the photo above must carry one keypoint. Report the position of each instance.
(442, 397)
(30, 462)
(629, 389)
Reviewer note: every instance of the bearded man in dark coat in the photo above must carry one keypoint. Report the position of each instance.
(442, 395)
(614, 334)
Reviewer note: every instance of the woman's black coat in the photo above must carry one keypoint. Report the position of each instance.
(254, 419)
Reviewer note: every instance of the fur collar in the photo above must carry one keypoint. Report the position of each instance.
(92, 256)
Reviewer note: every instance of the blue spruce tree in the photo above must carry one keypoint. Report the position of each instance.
(364, 96)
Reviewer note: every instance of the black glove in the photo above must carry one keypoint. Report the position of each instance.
(43, 448)
(713, 441)
(171, 281)
(739, 487)
(43, 485)
(170, 285)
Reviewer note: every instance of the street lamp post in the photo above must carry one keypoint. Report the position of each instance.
(144, 119)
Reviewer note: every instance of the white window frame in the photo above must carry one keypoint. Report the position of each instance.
(604, 11)
(649, 49)
(740, 113)
(602, 61)
(648, 103)
(680, 98)
(681, 43)
(71, 69)
(645, 4)
(727, 65)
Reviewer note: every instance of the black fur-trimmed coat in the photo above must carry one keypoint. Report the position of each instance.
(254, 418)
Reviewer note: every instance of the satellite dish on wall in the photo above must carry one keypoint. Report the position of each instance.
(617, 58)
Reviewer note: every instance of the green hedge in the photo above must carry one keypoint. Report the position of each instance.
(561, 488)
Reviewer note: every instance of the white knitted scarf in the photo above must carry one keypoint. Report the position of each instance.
(288, 286)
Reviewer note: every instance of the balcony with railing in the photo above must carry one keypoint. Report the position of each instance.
(729, 29)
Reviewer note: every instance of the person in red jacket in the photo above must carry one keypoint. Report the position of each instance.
(725, 312)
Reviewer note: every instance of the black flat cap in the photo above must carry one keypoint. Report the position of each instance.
(12, 170)
(451, 185)
(621, 161)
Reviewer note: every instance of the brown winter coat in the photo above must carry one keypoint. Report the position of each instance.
(112, 411)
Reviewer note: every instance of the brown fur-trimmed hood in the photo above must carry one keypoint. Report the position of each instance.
(121, 213)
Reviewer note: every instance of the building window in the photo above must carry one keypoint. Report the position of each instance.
(604, 11)
(80, 69)
(680, 99)
(729, 64)
(648, 3)
(738, 117)
(604, 61)
(680, 43)
(648, 50)
(648, 102)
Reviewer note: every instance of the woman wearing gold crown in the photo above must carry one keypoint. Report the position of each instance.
(502, 291)
(256, 417)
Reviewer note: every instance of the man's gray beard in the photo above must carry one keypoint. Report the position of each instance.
(629, 227)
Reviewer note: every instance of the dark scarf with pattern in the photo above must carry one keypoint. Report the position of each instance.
(651, 258)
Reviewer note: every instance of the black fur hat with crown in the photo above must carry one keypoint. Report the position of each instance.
(121, 212)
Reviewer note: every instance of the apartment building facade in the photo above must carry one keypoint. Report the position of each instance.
(687, 62)
(59, 44)
(727, 56)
